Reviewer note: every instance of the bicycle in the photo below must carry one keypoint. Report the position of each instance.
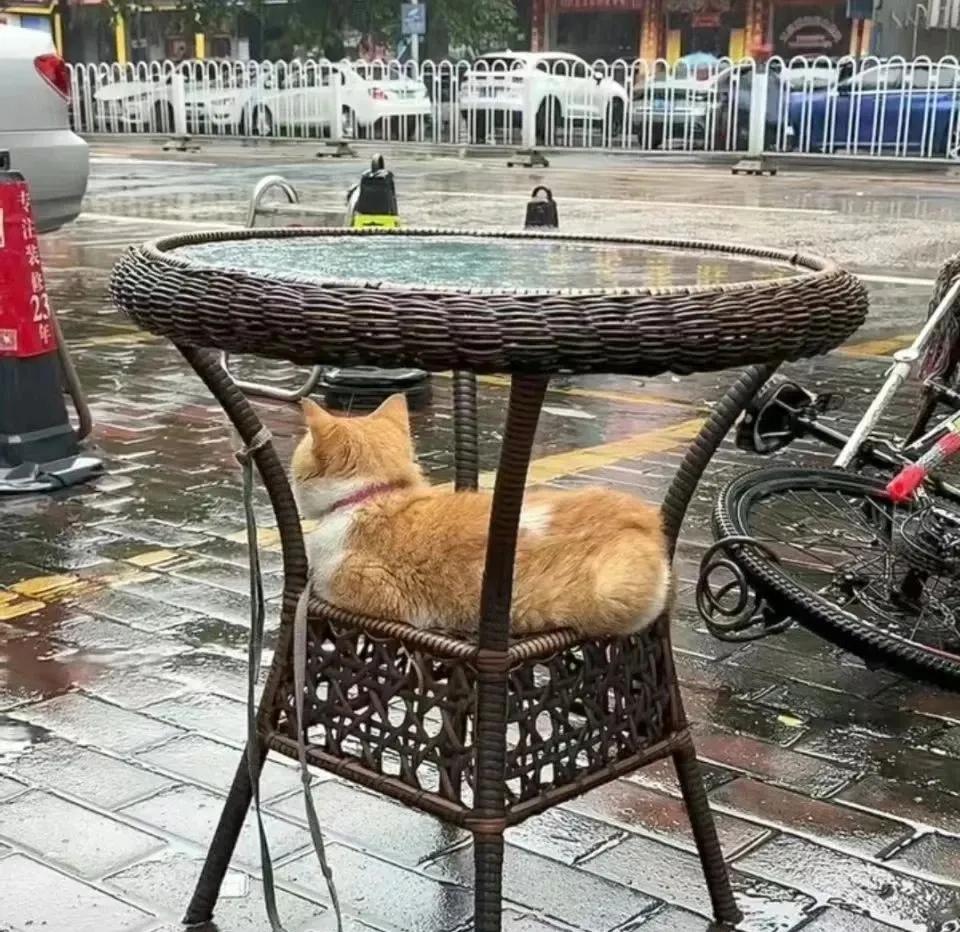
(866, 553)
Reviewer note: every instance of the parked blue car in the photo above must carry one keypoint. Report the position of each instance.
(893, 108)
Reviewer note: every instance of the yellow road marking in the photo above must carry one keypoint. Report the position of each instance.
(154, 557)
(40, 586)
(12, 606)
(886, 347)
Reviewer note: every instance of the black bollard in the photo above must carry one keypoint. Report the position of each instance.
(541, 209)
(372, 204)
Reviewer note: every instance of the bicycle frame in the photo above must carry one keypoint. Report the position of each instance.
(904, 362)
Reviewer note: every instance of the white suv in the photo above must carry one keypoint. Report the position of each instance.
(559, 87)
(34, 126)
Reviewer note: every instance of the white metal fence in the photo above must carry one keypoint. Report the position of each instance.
(891, 108)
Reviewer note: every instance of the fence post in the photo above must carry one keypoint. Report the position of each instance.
(756, 163)
(336, 146)
(527, 155)
(180, 140)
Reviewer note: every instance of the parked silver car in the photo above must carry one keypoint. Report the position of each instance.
(34, 125)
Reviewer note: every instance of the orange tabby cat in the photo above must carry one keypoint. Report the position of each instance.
(390, 546)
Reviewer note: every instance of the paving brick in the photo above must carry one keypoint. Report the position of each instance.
(192, 813)
(210, 672)
(373, 823)
(100, 635)
(947, 741)
(663, 777)
(10, 787)
(842, 713)
(213, 765)
(882, 893)
(87, 775)
(854, 679)
(921, 805)
(209, 714)
(718, 710)
(514, 922)
(89, 721)
(637, 809)
(562, 835)
(933, 855)
(553, 890)
(779, 765)
(132, 688)
(671, 919)
(38, 897)
(66, 834)
(928, 700)
(134, 610)
(826, 822)
(676, 877)
(166, 883)
(204, 600)
(155, 533)
(890, 757)
(841, 920)
(382, 894)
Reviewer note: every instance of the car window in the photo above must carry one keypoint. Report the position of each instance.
(945, 77)
(499, 63)
(883, 78)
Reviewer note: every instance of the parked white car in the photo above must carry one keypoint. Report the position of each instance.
(557, 87)
(133, 106)
(305, 98)
(35, 129)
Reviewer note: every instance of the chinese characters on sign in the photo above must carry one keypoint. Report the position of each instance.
(26, 328)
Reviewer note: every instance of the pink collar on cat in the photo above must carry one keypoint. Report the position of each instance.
(363, 495)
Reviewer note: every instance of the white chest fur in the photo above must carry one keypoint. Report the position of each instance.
(327, 545)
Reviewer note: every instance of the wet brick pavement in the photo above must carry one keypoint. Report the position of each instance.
(123, 616)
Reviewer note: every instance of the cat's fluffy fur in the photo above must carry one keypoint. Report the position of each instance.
(389, 546)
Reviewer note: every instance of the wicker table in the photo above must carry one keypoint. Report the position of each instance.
(480, 733)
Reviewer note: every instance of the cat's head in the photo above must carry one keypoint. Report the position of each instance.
(339, 456)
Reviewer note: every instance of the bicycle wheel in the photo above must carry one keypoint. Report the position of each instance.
(878, 579)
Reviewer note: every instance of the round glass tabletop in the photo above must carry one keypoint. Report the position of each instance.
(480, 263)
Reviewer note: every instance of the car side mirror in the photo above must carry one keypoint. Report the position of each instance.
(598, 76)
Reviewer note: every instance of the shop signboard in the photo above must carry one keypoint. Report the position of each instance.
(811, 30)
(596, 6)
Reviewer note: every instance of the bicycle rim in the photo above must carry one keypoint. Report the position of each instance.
(844, 567)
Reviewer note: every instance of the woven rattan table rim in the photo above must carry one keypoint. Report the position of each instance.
(162, 249)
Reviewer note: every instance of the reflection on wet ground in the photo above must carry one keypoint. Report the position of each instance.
(123, 611)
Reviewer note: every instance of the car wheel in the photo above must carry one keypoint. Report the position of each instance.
(613, 126)
(404, 128)
(261, 122)
(650, 138)
(163, 117)
(479, 135)
(952, 147)
(546, 132)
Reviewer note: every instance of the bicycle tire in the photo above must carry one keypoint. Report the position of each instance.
(808, 608)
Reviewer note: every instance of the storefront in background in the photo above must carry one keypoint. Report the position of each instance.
(810, 30)
(41, 16)
(704, 27)
(592, 29)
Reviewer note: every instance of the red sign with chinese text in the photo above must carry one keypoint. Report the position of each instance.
(25, 325)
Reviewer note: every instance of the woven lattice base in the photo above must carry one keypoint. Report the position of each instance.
(389, 712)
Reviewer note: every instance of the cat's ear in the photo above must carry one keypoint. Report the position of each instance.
(322, 426)
(395, 409)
